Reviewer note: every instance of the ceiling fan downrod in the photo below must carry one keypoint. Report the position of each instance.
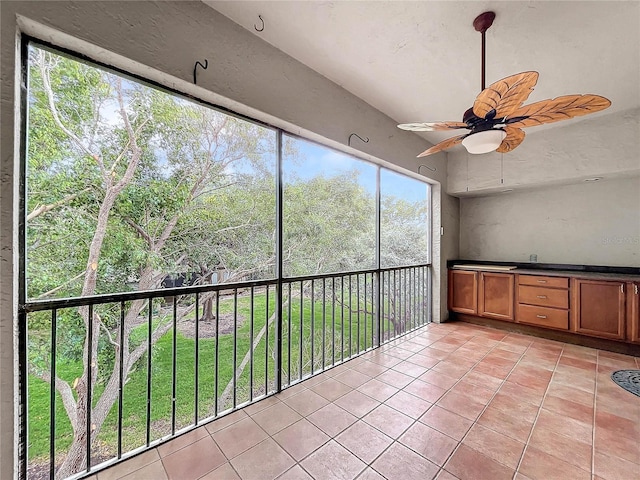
(482, 24)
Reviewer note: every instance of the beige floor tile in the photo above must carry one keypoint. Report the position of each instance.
(401, 462)
(265, 461)
(301, 438)
(429, 442)
(333, 462)
(357, 403)
(154, 470)
(238, 437)
(364, 441)
(306, 402)
(194, 461)
(276, 417)
(128, 466)
(389, 421)
(510, 382)
(224, 472)
(332, 419)
(468, 464)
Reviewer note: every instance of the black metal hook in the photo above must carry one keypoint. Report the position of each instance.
(433, 169)
(195, 68)
(259, 29)
(363, 139)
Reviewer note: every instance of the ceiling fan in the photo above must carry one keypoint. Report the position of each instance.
(497, 117)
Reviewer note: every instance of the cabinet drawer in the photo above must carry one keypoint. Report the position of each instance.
(545, 297)
(538, 280)
(543, 317)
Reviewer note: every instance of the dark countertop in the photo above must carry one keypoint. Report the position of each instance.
(589, 272)
(573, 273)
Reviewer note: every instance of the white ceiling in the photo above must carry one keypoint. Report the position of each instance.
(420, 61)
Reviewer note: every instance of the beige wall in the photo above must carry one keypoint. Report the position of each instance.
(595, 223)
(162, 41)
(565, 152)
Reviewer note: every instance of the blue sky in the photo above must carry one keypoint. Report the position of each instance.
(320, 160)
(317, 160)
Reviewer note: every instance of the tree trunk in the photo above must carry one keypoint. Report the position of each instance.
(226, 394)
(207, 310)
(76, 459)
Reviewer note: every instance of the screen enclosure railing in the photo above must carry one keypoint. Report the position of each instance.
(192, 354)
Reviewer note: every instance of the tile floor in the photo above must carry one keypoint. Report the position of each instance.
(449, 401)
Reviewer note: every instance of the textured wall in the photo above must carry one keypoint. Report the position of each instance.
(595, 223)
(162, 41)
(603, 145)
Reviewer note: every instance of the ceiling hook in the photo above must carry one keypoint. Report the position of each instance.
(433, 169)
(259, 29)
(195, 68)
(365, 139)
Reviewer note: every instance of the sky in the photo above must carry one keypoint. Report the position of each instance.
(319, 160)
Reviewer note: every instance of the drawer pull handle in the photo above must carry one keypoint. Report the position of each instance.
(542, 281)
(542, 296)
(541, 316)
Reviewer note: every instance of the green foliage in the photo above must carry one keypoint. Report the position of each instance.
(404, 234)
(345, 335)
(329, 225)
(201, 200)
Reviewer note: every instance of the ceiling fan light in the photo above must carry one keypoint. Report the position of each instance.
(484, 142)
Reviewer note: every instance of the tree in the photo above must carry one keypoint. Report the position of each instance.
(127, 184)
(124, 169)
(329, 225)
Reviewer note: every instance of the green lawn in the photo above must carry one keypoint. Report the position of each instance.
(135, 390)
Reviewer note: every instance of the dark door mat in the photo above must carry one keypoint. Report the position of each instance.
(628, 379)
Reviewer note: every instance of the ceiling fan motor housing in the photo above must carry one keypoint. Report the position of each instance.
(478, 124)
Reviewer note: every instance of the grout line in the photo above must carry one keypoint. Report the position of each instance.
(535, 420)
(456, 383)
(487, 406)
(394, 440)
(419, 333)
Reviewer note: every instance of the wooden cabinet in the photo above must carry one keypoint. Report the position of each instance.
(543, 316)
(544, 281)
(495, 295)
(633, 312)
(599, 308)
(543, 301)
(543, 296)
(463, 291)
(594, 304)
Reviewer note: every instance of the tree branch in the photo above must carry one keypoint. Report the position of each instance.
(104, 327)
(59, 287)
(47, 208)
(54, 111)
(135, 149)
(141, 231)
(66, 393)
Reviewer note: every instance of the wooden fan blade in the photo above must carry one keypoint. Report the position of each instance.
(431, 126)
(514, 137)
(505, 96)
(448, 143)
(560, 108)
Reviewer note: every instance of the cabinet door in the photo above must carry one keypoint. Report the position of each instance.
(463, 291)
(599, 308)
(633, 312)
(496, 295)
